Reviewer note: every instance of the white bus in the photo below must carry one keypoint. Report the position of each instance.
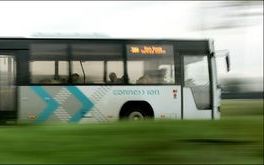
(98, 80)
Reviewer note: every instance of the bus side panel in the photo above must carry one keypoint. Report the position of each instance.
(165, 100)
(40, 104)
(75, 104)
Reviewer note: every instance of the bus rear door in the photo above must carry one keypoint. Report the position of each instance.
(8, 89)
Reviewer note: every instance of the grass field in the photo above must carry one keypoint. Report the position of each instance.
(236, 138)
(239, 108)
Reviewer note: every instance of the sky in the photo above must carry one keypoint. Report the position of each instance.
(134, 19)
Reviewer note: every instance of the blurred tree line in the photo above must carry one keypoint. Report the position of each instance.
(241, 88)
(223, 15)
(228, 14)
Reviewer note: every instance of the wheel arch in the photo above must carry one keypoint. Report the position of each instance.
(135, 104)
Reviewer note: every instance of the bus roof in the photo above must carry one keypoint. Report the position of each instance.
(126, 39)
(201, 45)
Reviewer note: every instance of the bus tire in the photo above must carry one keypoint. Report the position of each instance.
(136, 110)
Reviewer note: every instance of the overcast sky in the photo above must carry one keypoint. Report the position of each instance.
(133, 20)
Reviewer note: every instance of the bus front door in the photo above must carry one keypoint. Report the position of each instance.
(196, 87)
(7, 86)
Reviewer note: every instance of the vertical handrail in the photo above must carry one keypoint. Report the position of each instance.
(83, 71)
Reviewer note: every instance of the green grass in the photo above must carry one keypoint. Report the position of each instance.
(239, 108)
(230, 140)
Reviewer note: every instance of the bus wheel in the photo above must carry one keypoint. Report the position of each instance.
(136, 110)
(136, 115)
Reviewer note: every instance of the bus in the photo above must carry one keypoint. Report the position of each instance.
(98, 80)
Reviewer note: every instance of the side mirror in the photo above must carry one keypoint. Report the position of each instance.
(227, 62)
(224, 53)
(219, 86)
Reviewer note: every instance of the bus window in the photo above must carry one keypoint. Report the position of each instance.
(150, 72)
(115, 72)
(135, 70)
(150, 64)
(196, 77)
(48, 52)
(169, 75)
(49, 72)
(102, 51)
(48, 64)
(93, 62)
(89, 72)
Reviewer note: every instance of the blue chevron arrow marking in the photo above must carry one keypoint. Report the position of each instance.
(52, 104)
(86, 104)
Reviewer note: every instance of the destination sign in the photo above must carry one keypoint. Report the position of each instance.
(149, 50)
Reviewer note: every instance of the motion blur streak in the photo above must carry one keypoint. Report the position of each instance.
(237, 138)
